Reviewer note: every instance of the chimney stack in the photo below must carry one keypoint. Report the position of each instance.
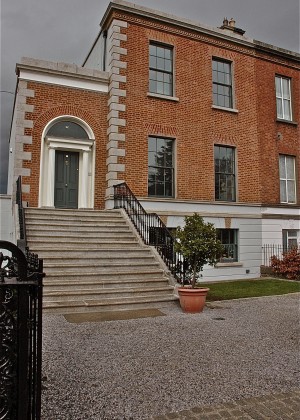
(230, 26)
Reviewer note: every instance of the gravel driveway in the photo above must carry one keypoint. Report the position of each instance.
(140, 368)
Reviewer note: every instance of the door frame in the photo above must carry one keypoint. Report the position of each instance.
(86, 149)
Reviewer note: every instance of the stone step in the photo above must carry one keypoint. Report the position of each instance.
(85, 283)
(48, 253)
(72, 212)
(73, 234)
(98, 260)
(73, 220)
(95, 267)
(94, 261)
(92, 305)
(97, 294)
(48, 230)
(74, 245)
(77, 222)
(142, 273)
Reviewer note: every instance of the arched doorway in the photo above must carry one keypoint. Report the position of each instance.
(67, 164)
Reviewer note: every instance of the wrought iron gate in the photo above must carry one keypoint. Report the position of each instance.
(20, 334)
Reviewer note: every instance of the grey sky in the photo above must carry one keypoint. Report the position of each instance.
(64, 30)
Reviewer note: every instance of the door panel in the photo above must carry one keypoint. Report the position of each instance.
(66, 179)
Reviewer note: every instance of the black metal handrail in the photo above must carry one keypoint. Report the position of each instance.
(21, 212)
(151, 228)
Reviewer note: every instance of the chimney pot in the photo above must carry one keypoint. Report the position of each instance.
(232, 23)
(225, 21)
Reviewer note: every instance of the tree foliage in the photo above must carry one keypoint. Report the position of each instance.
(197, 242)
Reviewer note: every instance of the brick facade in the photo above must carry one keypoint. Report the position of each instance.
(195, 125)
(109, 97)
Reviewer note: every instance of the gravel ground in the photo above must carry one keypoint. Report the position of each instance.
(141, 368)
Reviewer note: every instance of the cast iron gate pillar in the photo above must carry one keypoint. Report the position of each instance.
(20, 334)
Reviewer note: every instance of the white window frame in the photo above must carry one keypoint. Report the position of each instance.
(156, 69)
(290, 236)
(285, 179)
(280, 97)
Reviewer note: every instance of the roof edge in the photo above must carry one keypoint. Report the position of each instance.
(124, 6)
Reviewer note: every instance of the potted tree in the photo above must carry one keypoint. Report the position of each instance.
(197, 242)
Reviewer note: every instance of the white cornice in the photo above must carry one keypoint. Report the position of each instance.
(63, 79)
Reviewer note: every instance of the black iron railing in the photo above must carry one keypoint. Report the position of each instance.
(21, 213)
(151, 229)
(270, 250)
(20, 333)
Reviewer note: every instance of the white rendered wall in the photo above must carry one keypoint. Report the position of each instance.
(6, 219)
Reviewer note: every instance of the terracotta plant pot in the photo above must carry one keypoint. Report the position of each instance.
(192, 300)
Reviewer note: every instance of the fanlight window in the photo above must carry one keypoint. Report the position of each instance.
(67, 129)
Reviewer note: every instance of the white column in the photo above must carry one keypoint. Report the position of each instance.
(50, 178)
(84, 184)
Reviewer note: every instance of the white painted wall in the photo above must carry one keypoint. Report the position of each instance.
(272, 230)
(6, 219)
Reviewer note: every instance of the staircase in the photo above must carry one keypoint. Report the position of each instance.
(94, 261)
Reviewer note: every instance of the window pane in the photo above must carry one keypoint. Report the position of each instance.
(290, 167)
(227, 102)
(152, 75)
(168, 54)
(152, 86)
(161, 59)
(152, 144)
(215, 76)
(153, 62)
(278, 86)
(286, 110)
(279, 108)
(220, 66)
(228, 238)
(168, 65)
(167, 89)
(160, 52)
(286, 88)
(283, 197)
(159, 76)
(160, 88)
(291, 192)
(67, 129)
(282, 172)
(160, 64)
(152, 49)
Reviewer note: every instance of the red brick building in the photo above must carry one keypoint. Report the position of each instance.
(194, 119)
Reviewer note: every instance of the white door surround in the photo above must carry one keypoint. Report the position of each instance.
(86, 149)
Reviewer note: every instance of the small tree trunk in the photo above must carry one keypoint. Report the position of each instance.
(193, 283)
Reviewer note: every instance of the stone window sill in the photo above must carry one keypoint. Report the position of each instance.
(222, 108)
(287, 122)
(229, 264)
(158, 96)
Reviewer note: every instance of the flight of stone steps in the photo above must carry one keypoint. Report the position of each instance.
(94, 261)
